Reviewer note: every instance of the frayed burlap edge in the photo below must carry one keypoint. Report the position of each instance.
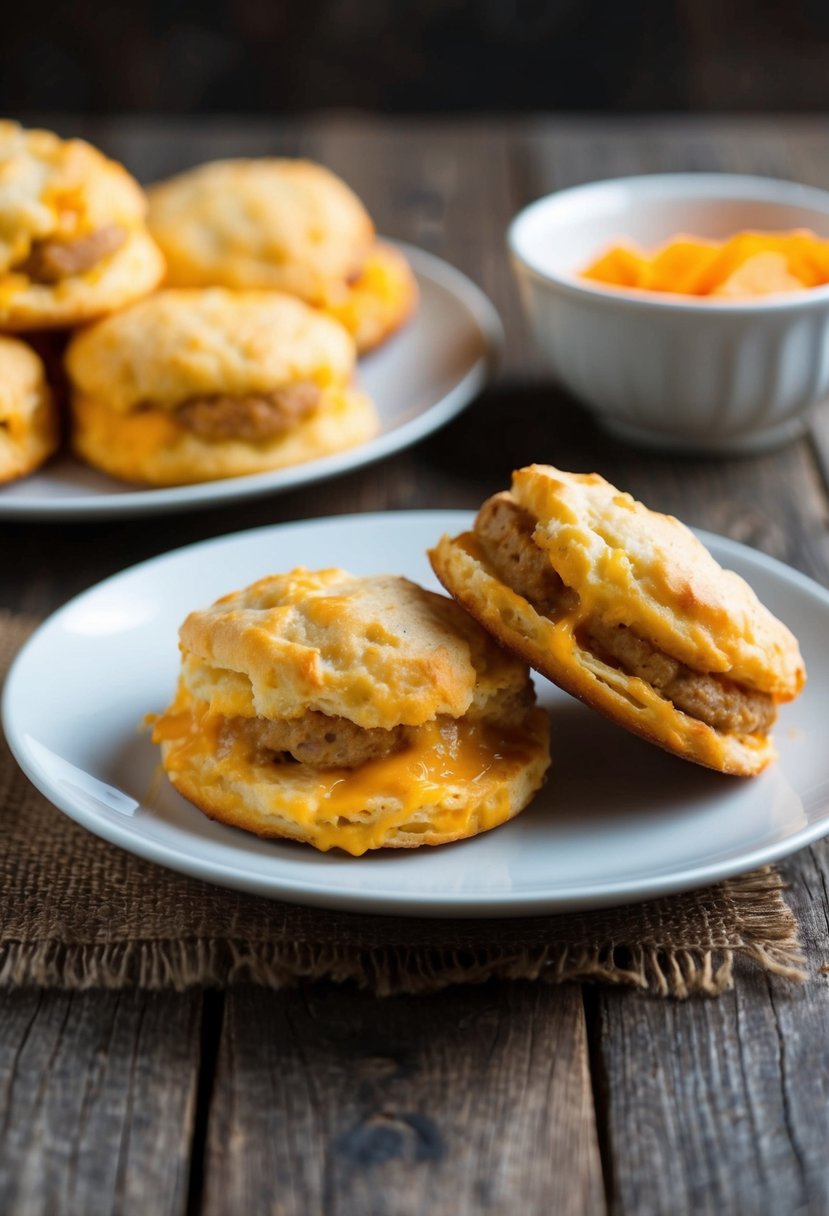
(768, 939)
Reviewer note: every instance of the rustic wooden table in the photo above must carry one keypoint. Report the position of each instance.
(508, 1098)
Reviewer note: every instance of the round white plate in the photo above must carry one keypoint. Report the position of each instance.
(618, 821)
(423, 376)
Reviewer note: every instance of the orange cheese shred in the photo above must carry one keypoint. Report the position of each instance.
(746, 264)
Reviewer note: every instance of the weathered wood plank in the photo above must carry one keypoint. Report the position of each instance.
(472, 1100)
(723, 1107)
(717, 1107)
(97, 1098)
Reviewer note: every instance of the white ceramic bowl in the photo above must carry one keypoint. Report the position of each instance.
(671, 371)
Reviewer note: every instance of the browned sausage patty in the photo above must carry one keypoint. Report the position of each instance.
(252, 417)
(506, 533)
(324, 741)
(315, 739)
(51, 260)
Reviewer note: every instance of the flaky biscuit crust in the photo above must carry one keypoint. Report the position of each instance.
(379, 651)
(286, 225)
(28, 412)
(63, 190)
(624, 699)
(176, 345)
(635, 567)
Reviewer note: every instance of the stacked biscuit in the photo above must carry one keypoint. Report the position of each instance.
(350, 712)
(271, 283)
(359, 713)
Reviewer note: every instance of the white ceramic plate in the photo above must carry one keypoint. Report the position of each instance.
(424, 375)
(635, 824)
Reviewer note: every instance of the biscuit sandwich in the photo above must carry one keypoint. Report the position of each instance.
(191, 386)
(351, 713)
(283, 225)
(73, 240)
(627, 610)
(29, 429)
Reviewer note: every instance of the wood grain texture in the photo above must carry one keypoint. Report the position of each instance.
(713, 1106)
(96, 1102)
(722, 1106)
(473, 1100)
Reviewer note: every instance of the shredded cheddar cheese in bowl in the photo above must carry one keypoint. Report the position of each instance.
(746, 264)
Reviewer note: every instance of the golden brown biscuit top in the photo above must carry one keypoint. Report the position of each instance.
(291, 225)
(635, 567)
(22, 379)
(58, 188)
(380, 651)
(176, 345)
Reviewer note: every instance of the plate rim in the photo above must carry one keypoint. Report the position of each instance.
(202, 495)
(498, 905)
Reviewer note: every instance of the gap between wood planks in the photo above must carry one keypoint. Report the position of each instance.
(599, 1085)
(212, 1023)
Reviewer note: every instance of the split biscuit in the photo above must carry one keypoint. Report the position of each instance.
(627, 610)
(29, 427)
(73, 239)
(283, 225)
(190, 386)
(351, 713)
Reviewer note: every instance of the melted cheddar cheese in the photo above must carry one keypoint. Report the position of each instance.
(456, 770)
(138, 436)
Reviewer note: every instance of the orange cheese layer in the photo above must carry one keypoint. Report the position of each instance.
(747, 264)
(457, 767)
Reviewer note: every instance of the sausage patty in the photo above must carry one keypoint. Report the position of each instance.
(252, 417)
(51, 260)
(315, 739)
(505, 531)
(713, 699)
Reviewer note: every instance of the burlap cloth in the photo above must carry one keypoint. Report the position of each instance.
(76, 912)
